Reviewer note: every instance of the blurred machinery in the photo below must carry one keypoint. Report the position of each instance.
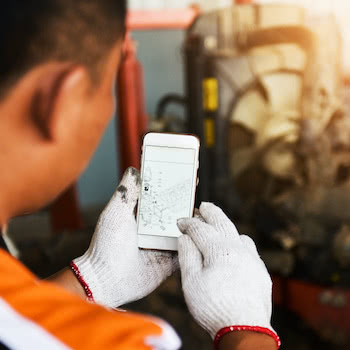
(265, 95)
(264, 92)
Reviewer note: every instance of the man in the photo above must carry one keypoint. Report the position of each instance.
(58, 65)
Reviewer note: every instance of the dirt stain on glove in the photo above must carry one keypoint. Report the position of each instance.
(123, 191)
(160, 258)
(134, 172)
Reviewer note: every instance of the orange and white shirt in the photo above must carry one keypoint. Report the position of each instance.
(40, 315)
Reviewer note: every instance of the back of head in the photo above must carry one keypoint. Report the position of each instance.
(39, 31)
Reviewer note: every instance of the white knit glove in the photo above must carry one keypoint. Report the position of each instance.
(225, 282)
(114, 269)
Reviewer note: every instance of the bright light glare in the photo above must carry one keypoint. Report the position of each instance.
(340, 8)
(315, 6)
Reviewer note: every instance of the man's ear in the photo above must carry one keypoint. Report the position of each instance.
(58, 81)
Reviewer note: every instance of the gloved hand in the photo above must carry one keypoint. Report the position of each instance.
(226, 284)
(114, 269)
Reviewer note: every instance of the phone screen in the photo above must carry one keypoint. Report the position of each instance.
(167, 189)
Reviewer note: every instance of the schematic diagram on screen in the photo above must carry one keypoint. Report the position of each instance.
(166, 196)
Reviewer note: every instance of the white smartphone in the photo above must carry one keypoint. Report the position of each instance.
(169, 168)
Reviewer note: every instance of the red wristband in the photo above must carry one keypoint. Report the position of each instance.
(81, 280)
(226, 330)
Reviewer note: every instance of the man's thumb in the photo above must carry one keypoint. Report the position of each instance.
(128, 190)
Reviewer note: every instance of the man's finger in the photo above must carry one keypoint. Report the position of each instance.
(214, 216)
(200, 232)
(190, 258)
(197, 215)
(249, 244)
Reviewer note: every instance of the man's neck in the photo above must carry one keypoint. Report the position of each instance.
(3, 245)
(8, 244)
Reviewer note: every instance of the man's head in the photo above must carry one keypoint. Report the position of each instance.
(57, 67)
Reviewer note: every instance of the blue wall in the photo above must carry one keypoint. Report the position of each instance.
(161, 55)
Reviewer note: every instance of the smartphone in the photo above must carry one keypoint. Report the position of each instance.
(169, 167)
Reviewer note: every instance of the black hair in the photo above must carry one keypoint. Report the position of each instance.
(37, 31)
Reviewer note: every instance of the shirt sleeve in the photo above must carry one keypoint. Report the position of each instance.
(68, 322)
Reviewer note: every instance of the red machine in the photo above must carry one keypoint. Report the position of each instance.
(132, 116)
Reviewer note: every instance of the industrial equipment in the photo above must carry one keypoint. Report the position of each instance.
(265, 95)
